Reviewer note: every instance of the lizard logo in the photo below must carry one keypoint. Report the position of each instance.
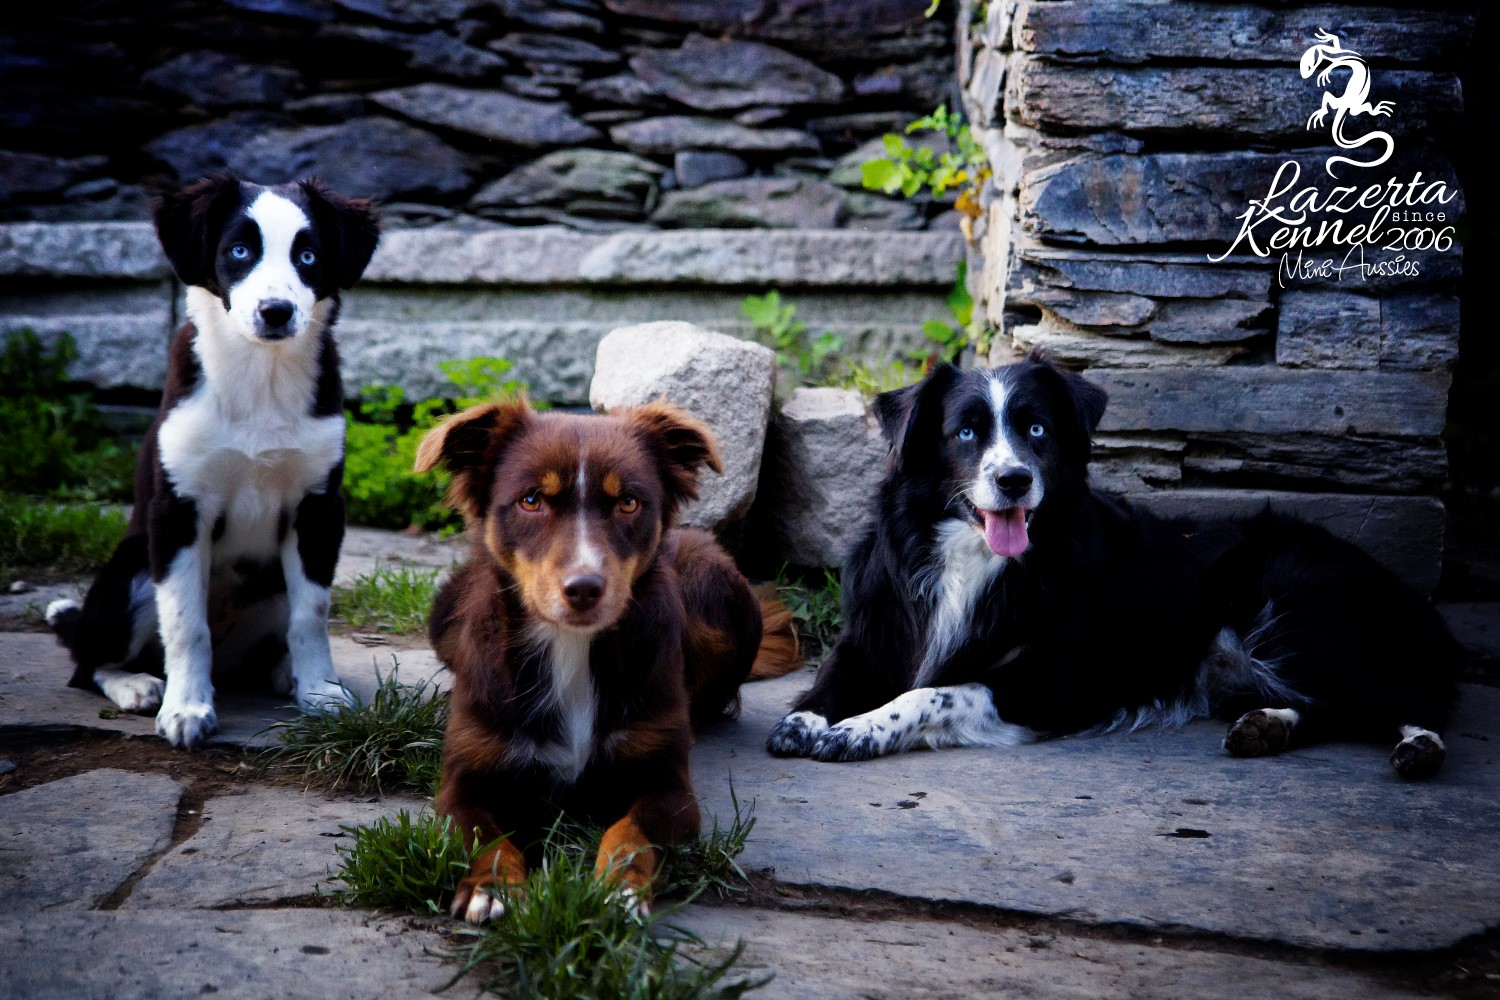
(1355, 100)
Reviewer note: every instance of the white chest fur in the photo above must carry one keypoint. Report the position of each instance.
(963, 570)
(572, 697)
(244, 446)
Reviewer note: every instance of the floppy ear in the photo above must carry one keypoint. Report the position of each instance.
(912, 415)
(468, 445)
(350, 228)
(188, 224)
(1087, 398)
(682, 446)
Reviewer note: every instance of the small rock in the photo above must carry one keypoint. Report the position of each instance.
(7, 766)
(769, 202)
(723, 381)
(416, 12)
(727, 74)
(21, 587)
(674, 133)
(33, 174)
(697, 169)
(532, 47)
(490, 114)
(575, 181)
(551, 15)
(760, 116)
(621, 88)
(216, 80)
(327, 109)
(826, 455)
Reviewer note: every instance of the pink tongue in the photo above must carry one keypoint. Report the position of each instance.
(1005, 531)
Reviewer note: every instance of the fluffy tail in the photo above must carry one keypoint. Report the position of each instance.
(64, 618)
(779, 653)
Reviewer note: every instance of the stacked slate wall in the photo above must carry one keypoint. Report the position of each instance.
(596, 114)
(1128, 139)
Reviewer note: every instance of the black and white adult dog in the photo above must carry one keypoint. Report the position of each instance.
(997, 599)
(229, 557)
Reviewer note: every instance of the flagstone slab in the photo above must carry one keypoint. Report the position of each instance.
(69, 844)
(286, 954)
(1321, 847)
(266, 845)
(852, 959)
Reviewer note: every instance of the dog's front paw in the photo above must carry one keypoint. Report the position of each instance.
(637, 902)
(323, 696)
(188, 725)
(850, 740)
(133, 692)
(1419, 755)
(478, 900)
(1261, 732)
(795, 735)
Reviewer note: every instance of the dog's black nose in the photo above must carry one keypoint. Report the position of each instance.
(1014, 483)
(583, 590)
(275, 313)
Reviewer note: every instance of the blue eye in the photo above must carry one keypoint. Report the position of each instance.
(239, 252)
(1037, 430)
(307, 258)
(966, 433)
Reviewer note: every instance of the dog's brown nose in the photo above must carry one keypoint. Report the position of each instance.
(583, 590)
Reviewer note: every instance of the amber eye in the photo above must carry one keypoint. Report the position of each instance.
(629, 505)
(531, 502)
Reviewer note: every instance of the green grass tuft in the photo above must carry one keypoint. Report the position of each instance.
(395, 739)
(67, 538)
(390, 598)
(568, 935)
(404, 863)
(816, 610)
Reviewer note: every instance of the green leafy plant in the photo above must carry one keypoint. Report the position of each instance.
(911, 169)
(872, 380)
(382, 434)
(950, 339)
(391, 598)
(404, 863)
(816, 609)
(803, 356)
(55, 441)
(710, 863)
(394, 739)
(67, 538)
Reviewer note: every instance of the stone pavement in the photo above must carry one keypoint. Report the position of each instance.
(1127, 865)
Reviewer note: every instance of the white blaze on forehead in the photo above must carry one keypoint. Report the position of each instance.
(588, 556)
(1000, 453)
(274, 276)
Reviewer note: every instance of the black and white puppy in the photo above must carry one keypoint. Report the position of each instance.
(997, 598)
(229, 557)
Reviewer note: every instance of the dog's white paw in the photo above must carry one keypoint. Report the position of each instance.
(483, 906)
(131, 692)
(187, 725)
(638, 906)
(795, 735)
(323, 696)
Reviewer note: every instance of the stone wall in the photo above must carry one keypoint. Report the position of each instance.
(1127, 141)
(594, 114)
(541, 296)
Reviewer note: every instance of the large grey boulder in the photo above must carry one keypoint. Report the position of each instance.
(723, 381)
(826, 457)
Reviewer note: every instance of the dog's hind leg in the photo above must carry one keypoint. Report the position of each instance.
(1420, 753)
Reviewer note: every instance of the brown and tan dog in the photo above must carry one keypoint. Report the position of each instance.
(588, 638)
